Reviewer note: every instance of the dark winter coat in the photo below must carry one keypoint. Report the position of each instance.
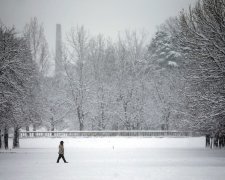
(61, 149)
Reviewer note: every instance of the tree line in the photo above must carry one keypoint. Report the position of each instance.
(173, 81)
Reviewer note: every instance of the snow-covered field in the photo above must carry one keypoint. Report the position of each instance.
(113, 158)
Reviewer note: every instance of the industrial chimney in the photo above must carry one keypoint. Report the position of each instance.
(58, 51)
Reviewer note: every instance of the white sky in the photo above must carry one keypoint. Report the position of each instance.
(98, 16)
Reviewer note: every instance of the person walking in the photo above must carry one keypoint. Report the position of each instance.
(61, 152)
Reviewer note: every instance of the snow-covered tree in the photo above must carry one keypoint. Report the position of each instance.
(97, 60)
(17, 79)
(162, 50)
(35, 38)
(165, 66)
(55, 106)
(130, 81)
(76, 72)
(34, 34)
(201, 38)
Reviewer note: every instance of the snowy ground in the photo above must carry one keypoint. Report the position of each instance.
(114, 158)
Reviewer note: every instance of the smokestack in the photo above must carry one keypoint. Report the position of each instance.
(58, 50)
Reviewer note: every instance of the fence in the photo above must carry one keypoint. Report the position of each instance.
(159, 133)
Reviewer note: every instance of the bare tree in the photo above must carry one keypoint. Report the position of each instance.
(130, 51)
(34, 33)
(76, 74)
(97, 60)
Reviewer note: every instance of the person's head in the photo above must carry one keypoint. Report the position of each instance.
(61, 142)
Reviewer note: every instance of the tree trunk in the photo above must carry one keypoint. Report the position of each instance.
(80, 118)
(27, 129)
(207, 140)
(34, 129)
(6, 137)
(52, 126)
(0, 138)
(81, 126)
(167, 121)
(211, 142)
(16, 138)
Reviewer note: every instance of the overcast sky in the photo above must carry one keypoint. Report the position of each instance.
(98, 16)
